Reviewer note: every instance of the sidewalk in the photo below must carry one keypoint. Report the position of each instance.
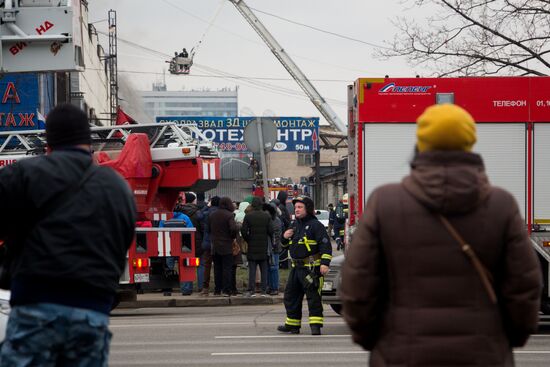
(149, 300)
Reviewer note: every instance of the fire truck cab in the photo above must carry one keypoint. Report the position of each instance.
(513, 130)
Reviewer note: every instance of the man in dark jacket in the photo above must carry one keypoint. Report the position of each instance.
(285, 215)
(256, 230)
(193, 211)
(206, 258)
(311, 252)
(285, 219)
(331, 219)
(276, 247)
(201, 203)
(68, 260)
(410, 295)
(223, 230)
(339, 225)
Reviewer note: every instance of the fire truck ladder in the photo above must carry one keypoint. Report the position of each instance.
(293, 69)
(162, 136)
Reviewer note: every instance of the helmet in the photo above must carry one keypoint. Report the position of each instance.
(310, 207)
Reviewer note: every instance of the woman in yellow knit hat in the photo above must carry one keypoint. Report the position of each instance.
(445, 127)
(410, 294)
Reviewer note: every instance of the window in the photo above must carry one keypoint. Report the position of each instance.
(306, 159)
(141, 242)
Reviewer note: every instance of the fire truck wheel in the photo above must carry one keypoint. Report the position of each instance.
(336, 308)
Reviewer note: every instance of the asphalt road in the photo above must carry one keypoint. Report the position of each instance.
(246, 336)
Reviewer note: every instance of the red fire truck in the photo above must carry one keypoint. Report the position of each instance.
(513, 116)
(158, 161)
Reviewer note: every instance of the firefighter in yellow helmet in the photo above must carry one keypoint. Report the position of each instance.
(310, 251)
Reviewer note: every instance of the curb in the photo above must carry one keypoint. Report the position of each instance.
(201, 302)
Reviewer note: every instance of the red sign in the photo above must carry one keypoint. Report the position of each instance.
(488, 99)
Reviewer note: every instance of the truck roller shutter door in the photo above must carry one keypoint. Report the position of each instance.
(387, 152)
(502, 147)
(541, 200)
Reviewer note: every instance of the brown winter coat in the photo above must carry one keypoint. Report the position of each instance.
(412, 297)
(222, 228)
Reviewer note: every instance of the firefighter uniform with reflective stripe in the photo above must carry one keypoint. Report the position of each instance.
(309, 248)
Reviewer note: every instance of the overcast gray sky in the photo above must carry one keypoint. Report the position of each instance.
(233, 47)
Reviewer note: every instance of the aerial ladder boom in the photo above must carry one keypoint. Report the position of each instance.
(290, 66)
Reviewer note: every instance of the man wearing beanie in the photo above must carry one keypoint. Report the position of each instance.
(311, 252)
(69, 224)
(412, 291)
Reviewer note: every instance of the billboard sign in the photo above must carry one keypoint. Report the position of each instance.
(294, 134)
(20, 102)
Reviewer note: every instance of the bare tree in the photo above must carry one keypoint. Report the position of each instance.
(477, 37)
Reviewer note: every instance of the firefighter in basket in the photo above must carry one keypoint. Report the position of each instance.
(311, 251)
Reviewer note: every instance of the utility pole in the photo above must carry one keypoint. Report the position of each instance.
(317, 184)
(263, 161)
(113, 66)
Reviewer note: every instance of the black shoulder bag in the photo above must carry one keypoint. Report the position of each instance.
(484, 274)
(8, 251)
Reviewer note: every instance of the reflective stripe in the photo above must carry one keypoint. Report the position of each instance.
(315, 263)
(316, 320)
(321, 281)
(293, 322)
(160, 238)
(167, 243)
(326, 256)
(307, 244)
(160, 243)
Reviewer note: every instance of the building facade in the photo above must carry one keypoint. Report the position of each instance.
(40, 90)
(161, 102)
(89, 89)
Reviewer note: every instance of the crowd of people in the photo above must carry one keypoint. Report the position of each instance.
(457, 283)
(231, 234)
(253, 233)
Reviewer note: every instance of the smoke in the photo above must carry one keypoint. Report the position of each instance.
(131, 101)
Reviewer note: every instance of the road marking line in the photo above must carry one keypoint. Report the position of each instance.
(332, 352)
(288, 353)
(279, 336)
(147, 343)
(532, 351)
(250, 323)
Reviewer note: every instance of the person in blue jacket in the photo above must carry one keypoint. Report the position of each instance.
(178, 216)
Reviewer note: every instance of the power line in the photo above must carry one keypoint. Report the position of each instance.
(288, 91)
(234, 77)
(224, 75)
(99, 21)
(321, 30)
(228, 31)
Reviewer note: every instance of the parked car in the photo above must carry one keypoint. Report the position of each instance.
(331, 283)
(4, 313)
(323, 216)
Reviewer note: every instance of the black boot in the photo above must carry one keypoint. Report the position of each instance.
(288, 329)
(315, 329)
